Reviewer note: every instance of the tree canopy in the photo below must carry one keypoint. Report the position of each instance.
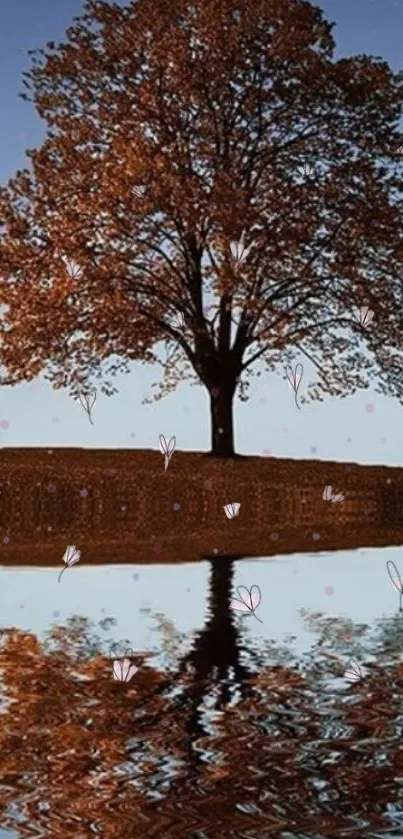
(213, 178)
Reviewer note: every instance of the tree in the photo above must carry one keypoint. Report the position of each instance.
(211, 177)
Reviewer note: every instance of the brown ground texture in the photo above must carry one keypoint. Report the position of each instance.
(118, 505)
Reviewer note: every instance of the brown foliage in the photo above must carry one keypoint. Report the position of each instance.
(212, 108)
(80, 753)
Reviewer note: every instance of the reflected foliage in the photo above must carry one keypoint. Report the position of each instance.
(214, 741)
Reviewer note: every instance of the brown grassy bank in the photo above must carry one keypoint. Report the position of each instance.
(120, 506)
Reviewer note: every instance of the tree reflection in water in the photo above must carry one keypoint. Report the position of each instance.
(225, 742)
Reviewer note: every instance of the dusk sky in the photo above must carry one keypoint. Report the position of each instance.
(366, 428)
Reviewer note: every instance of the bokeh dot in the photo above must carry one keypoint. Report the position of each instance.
(313, 449)
(177, 507)
(83, 492)
(6, 540)
(274, 537)
(136, 576)
(56, 614)
(370, 408)
(315, 536)
(329, 590)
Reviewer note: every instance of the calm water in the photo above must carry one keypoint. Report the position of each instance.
(230, 727)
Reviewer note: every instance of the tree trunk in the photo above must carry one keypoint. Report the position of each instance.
(222, 424)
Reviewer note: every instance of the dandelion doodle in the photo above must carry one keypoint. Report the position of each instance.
(70, 557)
(329, 495)
(295, 377)
(178, 321)
(238, 251)
(306, 171)
(167, 449)
(123, 670)
(87, 400)
(122, 667)
(139, 191)
(396, 580)
(248, 600)
(232, 510)
(363, 315)
(354, 672)
(73, 269)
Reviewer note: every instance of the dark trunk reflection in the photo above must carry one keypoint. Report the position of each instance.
(213, 668)
(229, 743)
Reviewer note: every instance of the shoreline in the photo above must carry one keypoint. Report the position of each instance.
(95, 457)
(118, 505)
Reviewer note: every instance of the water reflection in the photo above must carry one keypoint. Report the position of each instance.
(233, 737)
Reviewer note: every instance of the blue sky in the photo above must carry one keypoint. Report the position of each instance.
(366, 428)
